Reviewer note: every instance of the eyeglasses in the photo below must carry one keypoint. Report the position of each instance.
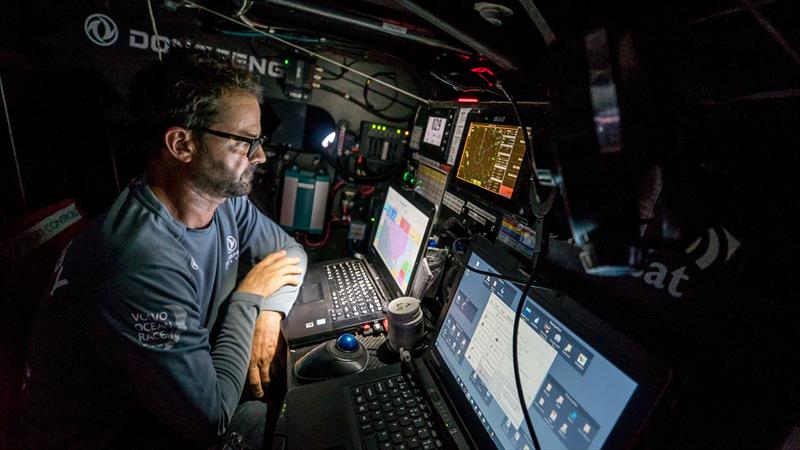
(254, 142)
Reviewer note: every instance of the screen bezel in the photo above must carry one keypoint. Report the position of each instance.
(429, 210)
(651, 374)
(440, 152)
(506, 118)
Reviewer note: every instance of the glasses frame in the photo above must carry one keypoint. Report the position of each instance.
(254, 142)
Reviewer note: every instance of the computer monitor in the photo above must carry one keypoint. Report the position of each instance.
(579, 394)
(492, 157)
(398, 240)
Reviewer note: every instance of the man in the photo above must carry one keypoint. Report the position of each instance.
(146, 338)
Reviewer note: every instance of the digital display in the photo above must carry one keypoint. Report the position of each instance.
(573, 393)
(398, 239)
(517, 236)
(435, 130)
(492, 157)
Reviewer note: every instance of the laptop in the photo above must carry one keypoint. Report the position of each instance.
(342, 295)
(585, 385)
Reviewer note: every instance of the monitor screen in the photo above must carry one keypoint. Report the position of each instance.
(492, 157)
(434, 131)
(574, 395)
(398, 238)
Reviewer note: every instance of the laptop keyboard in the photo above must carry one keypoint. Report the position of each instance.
(352, 293)
(393, 415)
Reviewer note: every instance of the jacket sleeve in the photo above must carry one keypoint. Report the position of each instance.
(260, 236)
(148, 327)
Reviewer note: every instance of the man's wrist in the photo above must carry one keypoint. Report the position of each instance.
(270, 315)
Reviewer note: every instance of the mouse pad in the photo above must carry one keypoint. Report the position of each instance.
(310, 293)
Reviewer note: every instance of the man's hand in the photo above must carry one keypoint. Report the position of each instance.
(271, 274)
(265, 343)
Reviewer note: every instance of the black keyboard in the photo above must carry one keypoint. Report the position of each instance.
(392, 414)
(352, 292)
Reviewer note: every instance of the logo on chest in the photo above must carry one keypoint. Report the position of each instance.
(233, 251)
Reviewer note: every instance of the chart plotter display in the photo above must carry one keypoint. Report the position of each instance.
(492, 157)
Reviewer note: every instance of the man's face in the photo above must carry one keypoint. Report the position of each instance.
(221, 167)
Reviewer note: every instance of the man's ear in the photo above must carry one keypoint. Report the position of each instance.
(179, 143)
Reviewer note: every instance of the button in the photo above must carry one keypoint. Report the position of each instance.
(366, 429)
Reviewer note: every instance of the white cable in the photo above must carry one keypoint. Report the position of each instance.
(252, 26)
(155, 30)
(13, 145)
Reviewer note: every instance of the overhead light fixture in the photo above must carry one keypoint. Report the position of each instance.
(492, 12)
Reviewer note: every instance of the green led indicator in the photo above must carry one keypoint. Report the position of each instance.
(413, 181)
(373, 126)
(286, 61)
(372, 219)
(405, 176)
(398, 131)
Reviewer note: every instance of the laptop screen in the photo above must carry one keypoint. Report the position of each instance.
(573, 393)
(399, 237)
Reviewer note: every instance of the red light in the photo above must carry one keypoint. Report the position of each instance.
(467, 100)
(483, 70)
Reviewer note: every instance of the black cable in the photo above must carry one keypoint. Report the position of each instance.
(365, 107)
(358, 83)
(515, 332)
(367, 82)
(353, 177)
(340, 74)
(539, 207)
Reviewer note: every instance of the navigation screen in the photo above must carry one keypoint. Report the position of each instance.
(398, 239)
(492, 157)
(574, 395)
